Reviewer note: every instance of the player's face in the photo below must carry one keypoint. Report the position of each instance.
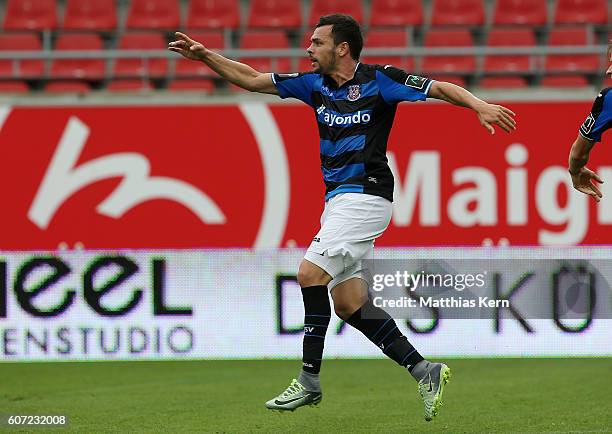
(322, 50)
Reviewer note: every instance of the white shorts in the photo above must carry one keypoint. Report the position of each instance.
(349, 225)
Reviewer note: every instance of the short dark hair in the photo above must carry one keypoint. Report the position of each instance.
(344, 29)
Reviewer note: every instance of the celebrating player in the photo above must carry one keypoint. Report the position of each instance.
(354, 105)
(596, 123)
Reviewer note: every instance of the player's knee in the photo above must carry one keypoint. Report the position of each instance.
(311, 275)
(345, 309)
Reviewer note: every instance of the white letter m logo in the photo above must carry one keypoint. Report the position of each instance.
(63, 179)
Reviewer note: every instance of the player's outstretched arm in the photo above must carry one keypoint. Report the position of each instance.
(488, 114)
(235, 72)
(582, 177)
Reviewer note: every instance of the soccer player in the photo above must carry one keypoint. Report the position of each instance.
(354, 105)
(596, 123)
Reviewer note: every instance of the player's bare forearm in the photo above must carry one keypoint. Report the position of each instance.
(235, 72)
(239, 73)
(488, 114)
(579, 154)
(454, 94)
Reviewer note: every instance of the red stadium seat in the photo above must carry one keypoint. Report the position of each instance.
(396, 13)
(457, 13)
(13, 87)
(510, 37)
(26, 68)
(87, 69)
(192, 85)
(520, 12)
(189, 68)
(129, 85)
(565, 81)
(455, 79)
(30, 15)
(266, 39)
(448, 64)
(275, 13)
(388, 39)
(326, 7)
(213, 14)
(90, 15)
(581, 12)
(503, 83)
(79, 87)
(571, 62)
(153, 15)
(136, 67)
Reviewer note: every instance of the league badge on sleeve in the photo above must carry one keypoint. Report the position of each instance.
(416, 82)
(354, 92)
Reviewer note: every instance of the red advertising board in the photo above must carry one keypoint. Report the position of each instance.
(248, 175)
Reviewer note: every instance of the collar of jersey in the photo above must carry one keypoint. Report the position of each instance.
(332, 84)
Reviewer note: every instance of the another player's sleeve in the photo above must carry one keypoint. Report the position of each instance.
(600, 118)
(397, 85)
(297, 85)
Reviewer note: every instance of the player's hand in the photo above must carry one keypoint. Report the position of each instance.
(583, 183)
(489, 114)
(187, 47)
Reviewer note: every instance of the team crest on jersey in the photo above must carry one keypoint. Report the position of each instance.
(354, 92)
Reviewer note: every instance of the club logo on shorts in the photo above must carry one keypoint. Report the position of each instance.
(416, 82)
(354, 92)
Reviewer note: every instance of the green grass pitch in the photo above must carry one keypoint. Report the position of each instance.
(484, 395)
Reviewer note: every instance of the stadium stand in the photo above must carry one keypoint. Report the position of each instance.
(457, 13)
(396, 13)
(581, 12)
(30, 15)
(96, 15)
(563, 63)
(213, 14)
(79, 87)
(129, 85)
(41, 25)
(566, 81)
(509, 37)
(192, 85)
(85, 69)
(325, 7)
(450, 64)
(13, 86)
(388, 39)
(520, 12)
(154, 15)
(503, 83)
(24, 68)
(262, 39)
(274, 14)
(136, 42)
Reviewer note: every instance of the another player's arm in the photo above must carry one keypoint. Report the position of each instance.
(235, 72)
(582, 177)
(488, 114)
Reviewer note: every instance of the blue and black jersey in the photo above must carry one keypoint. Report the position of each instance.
(600, 118)
(355, 120)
